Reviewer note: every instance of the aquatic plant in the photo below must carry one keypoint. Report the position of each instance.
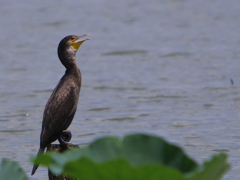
(10, 170)
(135, 157)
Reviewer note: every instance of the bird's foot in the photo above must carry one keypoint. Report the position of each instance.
(66, 135)
(64, 139)
(63, 144)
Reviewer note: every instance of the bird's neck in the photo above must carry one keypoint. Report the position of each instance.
(68, 60)
(73, 69)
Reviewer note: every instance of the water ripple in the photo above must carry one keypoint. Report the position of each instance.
(121, 53)
(120, 119)
(99, 109)
(16, 131)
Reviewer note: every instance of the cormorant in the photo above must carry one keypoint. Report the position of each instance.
(62, 104)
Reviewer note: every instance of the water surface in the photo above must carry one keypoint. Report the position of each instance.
(161, 67)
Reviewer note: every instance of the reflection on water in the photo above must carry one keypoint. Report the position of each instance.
(161, 67)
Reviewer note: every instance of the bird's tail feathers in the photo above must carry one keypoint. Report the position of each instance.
(35, 166)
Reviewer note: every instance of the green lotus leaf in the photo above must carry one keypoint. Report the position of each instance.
(10, 170)
(135, 157)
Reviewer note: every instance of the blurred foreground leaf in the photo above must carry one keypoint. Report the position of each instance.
(136, 157)
(212, 169)
(10, 170)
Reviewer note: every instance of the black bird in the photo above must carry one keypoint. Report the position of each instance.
(62, 104)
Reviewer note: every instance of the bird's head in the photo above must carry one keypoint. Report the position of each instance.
(76, 41)
(72, 42)
(69, 45)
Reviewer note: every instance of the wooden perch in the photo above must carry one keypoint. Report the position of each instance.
(59, 148)
(66, 136)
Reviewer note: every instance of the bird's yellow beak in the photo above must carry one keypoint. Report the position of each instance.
(76, 42)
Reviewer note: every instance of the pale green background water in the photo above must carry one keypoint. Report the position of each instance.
(157, 66)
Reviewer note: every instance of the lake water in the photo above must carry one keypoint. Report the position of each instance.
(163, 67)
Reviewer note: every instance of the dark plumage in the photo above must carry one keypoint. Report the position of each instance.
(62, 104)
